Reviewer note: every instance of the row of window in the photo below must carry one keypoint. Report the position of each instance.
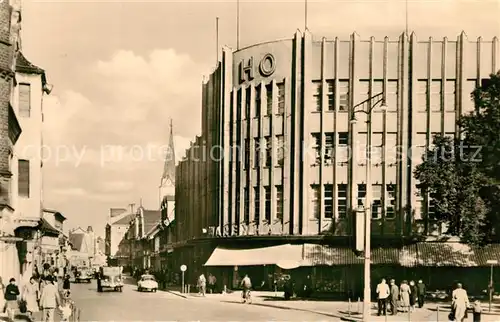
(328, 196)
(429, 92)
(376, 206)
(258, 101)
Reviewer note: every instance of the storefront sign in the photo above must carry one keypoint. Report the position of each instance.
(266, 68)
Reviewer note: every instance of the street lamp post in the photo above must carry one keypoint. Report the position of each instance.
(368, 195)
(491, 262)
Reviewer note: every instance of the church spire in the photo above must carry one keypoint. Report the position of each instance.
(168, 176)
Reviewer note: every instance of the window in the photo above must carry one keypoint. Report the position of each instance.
(329, 146)
(435, 95)
(449, 95)
(328, 201)
(269, 106)
(316, 141)
(376, 201)
(281, 98)
(267, 190)
(280, 149)
(24, 100)
(257, 153)
(246, 201)
(238, 104)
(361, 194)
(422, 96)
(247, 154)
(269, 150)
(317, 96)
(431, 212)
(468, 104)
(247, 103)
(315, 201)
(392, 95)
(256, 192)
(343, 149)
(257, 101)
(363, 93)
(343, 95)
(331, 95)
(279, 202)
(390, 204)
(343, 138)
(342, 200)
(24, 178)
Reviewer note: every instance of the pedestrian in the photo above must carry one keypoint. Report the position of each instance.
(11, 297)
(394, 298)
(288, 288)
(49, 300)
(307, 289)
(66, 309)
(476, 315)
(2, 296)
(202, 284)
(66, 285)
(421, 293)
(383, 293)
(460, 303)
(31, 295)
(404, 292)
(413, 295)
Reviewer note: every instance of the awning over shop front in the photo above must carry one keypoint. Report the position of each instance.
(274, 255)
(455, 254)
(315, 254)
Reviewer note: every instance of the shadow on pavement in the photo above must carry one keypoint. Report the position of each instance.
(281, 299)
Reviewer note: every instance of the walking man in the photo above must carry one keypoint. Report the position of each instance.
(383, 293)
(394, 297)
(49, 300)
(420, 293)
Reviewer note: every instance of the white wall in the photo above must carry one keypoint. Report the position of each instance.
(29, 147)
(117, 234)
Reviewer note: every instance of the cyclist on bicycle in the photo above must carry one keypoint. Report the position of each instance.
(246, 284)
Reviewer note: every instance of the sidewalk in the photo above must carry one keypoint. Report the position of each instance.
(337, 309)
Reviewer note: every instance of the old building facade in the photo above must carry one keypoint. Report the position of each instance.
(279, 157)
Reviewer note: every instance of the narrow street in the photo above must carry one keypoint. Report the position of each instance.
(131, 305)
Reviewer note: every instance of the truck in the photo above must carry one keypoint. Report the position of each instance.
(110, 277)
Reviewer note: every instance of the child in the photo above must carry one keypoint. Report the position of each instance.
(476, 315)
(66, 309)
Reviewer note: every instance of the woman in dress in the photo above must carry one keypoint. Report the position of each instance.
(460, 303)
(405, 291)
(31, 295)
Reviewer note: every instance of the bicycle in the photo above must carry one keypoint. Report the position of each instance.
(247, 297)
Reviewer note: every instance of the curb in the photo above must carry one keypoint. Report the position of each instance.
(300, 310)
(177, 294)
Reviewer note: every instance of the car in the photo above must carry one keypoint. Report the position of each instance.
(83, 275)
(147, 283)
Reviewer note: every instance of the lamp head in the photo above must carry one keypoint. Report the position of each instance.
(383, 107)
(353, 121)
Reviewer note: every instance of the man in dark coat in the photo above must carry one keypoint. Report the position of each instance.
(421, 293)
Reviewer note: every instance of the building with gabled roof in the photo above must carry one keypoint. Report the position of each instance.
(116, 246)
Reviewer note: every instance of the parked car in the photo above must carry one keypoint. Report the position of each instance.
(147, 282)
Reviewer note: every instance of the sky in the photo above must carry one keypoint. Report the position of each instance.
(122, 69)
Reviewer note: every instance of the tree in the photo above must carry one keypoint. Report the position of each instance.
(454, 185)
(463, 176)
